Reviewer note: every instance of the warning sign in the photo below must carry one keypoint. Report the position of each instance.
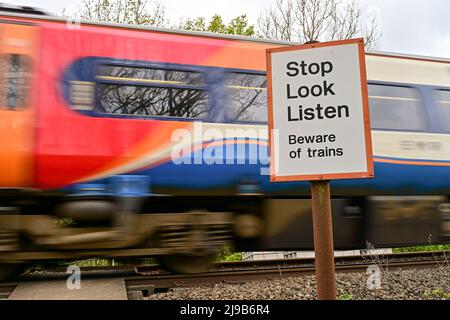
(318, 112)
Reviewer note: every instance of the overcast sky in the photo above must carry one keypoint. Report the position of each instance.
(420, 27)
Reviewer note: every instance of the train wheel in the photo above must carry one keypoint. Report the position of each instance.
(10, 271)
(186, 263)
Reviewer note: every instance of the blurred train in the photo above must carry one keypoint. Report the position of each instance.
(130, 142)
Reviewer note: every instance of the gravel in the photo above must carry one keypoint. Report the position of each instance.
(394, 285)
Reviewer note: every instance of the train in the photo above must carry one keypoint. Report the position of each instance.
(130, 142)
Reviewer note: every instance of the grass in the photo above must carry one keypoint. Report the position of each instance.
(439, 247)
(226, 253)
(95, 263)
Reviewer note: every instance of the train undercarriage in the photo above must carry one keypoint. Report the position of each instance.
(185, 233)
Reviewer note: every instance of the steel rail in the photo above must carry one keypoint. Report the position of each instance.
(271, 273)
(151, 278)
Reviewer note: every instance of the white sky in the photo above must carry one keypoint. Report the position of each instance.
(419, 27)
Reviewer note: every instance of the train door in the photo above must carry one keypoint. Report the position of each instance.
(18, 44)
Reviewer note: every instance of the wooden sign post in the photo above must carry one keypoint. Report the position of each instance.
(319, 130)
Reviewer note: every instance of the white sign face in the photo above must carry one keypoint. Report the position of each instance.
(318, 112)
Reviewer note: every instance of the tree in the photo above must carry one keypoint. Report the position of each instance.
(141, 12)
(317, 20)
(237, 26)
(138, 12)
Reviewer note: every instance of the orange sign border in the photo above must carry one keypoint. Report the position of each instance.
(365, 100)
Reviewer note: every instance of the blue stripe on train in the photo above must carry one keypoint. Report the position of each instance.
(389, 178)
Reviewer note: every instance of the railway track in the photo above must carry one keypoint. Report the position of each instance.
(239, 272)
(141, 281)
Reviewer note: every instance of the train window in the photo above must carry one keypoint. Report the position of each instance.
(143, 91)
(247, 97)
(150, 75)
(14, 87)
(82, 95)
(153, 101)
(394, 107)
(442, 98)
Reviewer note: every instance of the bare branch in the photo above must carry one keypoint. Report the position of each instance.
(140, 12)
(317, 20)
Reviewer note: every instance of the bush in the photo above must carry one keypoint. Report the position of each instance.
(227, 253)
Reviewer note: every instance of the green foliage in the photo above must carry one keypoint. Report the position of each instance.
(226, 253)
(216, 25)
(237, 26)
(152, 13)
(111, 262)
(197, 24)
(94, 263)
(237, 256)
(64, 222)
(147, 261)
(345, 296)
(436, 294)
(439, 247)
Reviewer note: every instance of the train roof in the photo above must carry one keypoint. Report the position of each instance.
(32, 13)
(28, 14)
